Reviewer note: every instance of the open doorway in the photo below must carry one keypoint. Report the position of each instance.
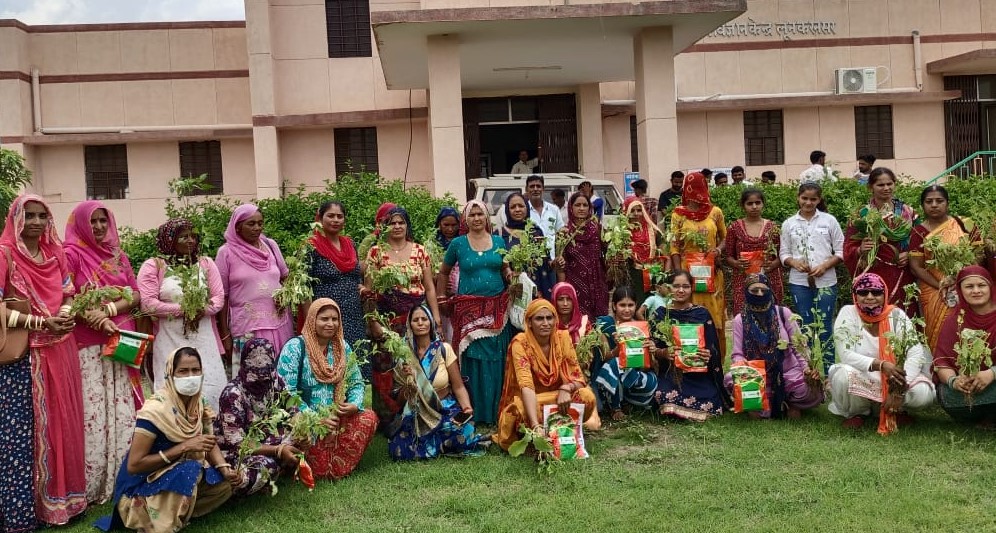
(501, 144)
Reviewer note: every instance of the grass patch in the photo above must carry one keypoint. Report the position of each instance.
(651, 475)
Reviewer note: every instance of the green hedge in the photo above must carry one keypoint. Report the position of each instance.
(287, 220)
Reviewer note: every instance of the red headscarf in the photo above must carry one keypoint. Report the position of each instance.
(100, 262)
(574, 325)
(695, 189)
(643, 251)
(944, 354)
(344, 258)
(870, 281)
(46, 283)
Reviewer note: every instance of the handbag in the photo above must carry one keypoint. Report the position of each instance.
(13, 341)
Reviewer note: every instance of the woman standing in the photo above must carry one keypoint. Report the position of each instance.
(891, 255)
(447, 229)
(174, 470)
(481, 329)
(516, 216)
(812, 246)
(161, 286)
(867, 372)
(337, 271)
(437, 410)
(542, 370)
(753, 234)
(968, 398)
(34, 268)
(619, 386)
(320, 368)
(938, 296)
(582, 263)
(246, 400)
(759, 334)
(252, 269)
(689, 395)
(111, 390)
(645, 252)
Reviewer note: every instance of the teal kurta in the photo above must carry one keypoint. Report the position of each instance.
(295, 368)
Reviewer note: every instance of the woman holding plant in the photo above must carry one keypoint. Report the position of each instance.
(882, 360)
(41, 399)
(699, 231)
(765, 331)
(877, 239)
(940, 247)
(643, 246)
(436, 416)
(618, 386)
(695, 396)
(580, 257)
(258, 450)
(319, 366)
(174, 470)
(752, 247)
(517, 223)
(183, 292)
(542, 370)
(963, 360)
(252, 269)
(111, 390)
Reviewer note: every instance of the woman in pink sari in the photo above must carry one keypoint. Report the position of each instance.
(111, 391)
(252, 269)
(34, 267)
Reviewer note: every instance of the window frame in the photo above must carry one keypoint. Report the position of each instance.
(874, 122)
(761, 127)
(350, 157)
(113, 170)
(347, 28)
(203, 157)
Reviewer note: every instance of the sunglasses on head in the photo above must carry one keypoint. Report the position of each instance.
(872, 292)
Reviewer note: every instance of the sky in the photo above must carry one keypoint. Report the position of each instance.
(86, 11)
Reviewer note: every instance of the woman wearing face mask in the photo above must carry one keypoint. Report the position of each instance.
(174, 470)
(968, 398)
(320, 368)
(867, 373)
(252, 269)
(246, 400)
(111, 390)
(542, 370)
(160, 286)
(41, 411)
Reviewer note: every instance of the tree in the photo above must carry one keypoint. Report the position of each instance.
(14, 176)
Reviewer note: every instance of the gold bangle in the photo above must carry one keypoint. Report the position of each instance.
(164, 458)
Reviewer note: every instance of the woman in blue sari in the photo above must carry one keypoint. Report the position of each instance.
(174, 470)
(617, 386)
(689, 395)
(435, 419)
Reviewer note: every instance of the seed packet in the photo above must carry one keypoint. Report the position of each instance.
(755, 261)
(688, 340)
(630, 337)
(702, 267)
(565, 431)
(749, 388)
(128, 347)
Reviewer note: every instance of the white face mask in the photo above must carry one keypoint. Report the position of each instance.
(188, 386)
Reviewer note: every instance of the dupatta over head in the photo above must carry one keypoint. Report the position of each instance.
(944, 354)
(42, 283)
(102, 262)
(175, 419)
(574, 326)
(325, 373)
(878, 315)
(695, 189)
(254, 257)
(643, 249)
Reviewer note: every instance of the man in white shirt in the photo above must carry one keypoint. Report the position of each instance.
(739, 176)
(525, 165)
(865, 165)
(819, 171)
(545, 215)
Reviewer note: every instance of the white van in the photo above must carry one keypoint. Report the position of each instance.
(493, 191)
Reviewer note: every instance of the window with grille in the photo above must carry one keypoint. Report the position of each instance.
(764, 137)
(203, 157)
(347, 23)
(355, 150)
(106, 170)
(634, 144)
(873, 131)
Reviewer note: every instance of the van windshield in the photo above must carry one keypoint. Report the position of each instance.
(611, 197)
(495, 198)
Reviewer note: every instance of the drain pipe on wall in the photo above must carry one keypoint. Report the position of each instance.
(36, 100)
(917, 61)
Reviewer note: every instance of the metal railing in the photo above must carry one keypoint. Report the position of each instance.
(981, 163)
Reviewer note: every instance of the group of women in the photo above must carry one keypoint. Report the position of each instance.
(477, 366)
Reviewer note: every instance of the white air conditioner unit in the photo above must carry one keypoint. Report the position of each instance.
(856, 80)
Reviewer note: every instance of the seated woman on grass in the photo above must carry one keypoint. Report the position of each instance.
(868, 372)
(621, 387)
(763, 332)
(966, 395)
(542, 369)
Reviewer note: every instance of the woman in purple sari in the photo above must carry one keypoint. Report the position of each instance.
(582, 263)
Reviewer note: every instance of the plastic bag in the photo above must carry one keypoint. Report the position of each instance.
(517, 308)
(630, 337)
(749, 388)
(565, 431)
(689, 339)
(702, 267)
(755, 261)
(128, 347)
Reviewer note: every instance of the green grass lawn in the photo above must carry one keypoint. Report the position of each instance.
(728, 474)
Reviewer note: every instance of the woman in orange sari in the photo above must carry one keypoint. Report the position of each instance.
(542, 369)
(938, 295)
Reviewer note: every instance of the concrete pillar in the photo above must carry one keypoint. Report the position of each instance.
(266, 152)
(446, 116)
(656, 114)
(589, 104)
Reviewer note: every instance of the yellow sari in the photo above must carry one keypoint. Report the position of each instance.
(713, 228)
(932, 304)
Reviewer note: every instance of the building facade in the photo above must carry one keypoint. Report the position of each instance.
(435, 92)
